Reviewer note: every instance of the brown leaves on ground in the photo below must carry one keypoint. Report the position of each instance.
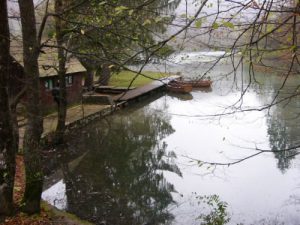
(46, 217)
(21, 218)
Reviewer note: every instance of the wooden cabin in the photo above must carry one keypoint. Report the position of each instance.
(48, 66)
(74, 78)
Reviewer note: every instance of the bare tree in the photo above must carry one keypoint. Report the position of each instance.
(34, 127)
(7, 150)
(62, 57)
(259, 36)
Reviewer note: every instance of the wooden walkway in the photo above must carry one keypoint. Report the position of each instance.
(75, 114)
(137, 92)
(81, 114)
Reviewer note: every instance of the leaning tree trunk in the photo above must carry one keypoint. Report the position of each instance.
(89, 79)
(105, 74)
(90, 71)
(34, 127)
(62, 106)
(7, 151)
(16, 91)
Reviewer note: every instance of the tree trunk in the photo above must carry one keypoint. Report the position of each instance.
(90, 71)
(15, 127)
(34, 127)
(7, 151)
(62, 106)
(89, 80)
(105, 74)
(16, 90)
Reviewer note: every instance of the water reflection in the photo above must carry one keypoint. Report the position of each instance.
(205, 89)
(282, 119)
(181, 96)
(120, 179)
(279, 140)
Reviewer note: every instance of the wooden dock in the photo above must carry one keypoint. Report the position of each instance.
(138, 92)
(80, 115)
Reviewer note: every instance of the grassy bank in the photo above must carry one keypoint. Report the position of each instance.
(123, 78)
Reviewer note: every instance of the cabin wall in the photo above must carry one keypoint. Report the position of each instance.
(74, 91)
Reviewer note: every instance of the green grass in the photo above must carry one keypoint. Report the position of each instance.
(124, 78)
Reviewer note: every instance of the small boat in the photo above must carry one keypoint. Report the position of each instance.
(200, 83)
(179, 87)
(195, 83)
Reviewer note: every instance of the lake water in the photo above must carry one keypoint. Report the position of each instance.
(145, 164)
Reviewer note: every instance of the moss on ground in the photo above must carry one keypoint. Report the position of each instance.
(63, 217)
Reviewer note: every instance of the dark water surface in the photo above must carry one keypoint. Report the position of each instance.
(140, 165)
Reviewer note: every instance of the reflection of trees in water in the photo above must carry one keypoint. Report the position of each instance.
(283, 130)
(120, 180)
(282, 120)
(281, 137)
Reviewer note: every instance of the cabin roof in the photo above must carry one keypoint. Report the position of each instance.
(48, 63)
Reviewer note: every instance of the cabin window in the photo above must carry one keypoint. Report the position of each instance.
(69, 80)
(49, 84)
